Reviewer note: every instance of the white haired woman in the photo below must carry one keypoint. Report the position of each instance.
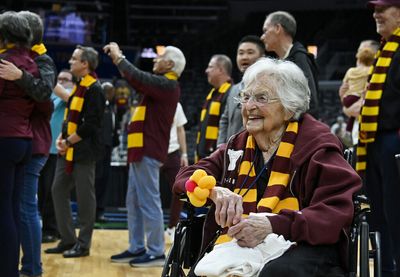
(286, 163)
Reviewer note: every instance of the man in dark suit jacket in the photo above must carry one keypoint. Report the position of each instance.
(279, 30)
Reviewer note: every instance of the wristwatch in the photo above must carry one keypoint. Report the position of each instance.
(119, 58)
(67, 142)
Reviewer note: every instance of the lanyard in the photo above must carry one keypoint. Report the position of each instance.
(248, 174)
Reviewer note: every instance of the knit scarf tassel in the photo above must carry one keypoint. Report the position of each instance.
(72, 112)
(370, 110)
(277, 195)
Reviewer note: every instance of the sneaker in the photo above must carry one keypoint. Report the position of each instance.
(169, 235)
(148, 261)
(126, 256)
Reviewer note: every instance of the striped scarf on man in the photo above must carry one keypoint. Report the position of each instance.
(72, 113)
(370, 110)
(212, 112)
(136, 126)
(277, 195)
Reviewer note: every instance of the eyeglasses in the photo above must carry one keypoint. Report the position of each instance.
(260, 99)
(60, 79)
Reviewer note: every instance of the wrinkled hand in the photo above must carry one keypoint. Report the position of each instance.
(113, 51)
(8, 71)
(251, 231)
(228, 206)
(355, 109)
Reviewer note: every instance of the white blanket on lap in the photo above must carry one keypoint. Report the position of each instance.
(230, 259)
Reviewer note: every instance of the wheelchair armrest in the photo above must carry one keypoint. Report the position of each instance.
(183, 197)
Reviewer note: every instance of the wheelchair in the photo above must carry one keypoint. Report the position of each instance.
(185, 251)
(360, 253)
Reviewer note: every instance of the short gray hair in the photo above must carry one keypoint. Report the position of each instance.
(286, 78)
(286, 20)
(36, 25)
(224, 62)
(15, 29)
(175, 54)
(89, 55)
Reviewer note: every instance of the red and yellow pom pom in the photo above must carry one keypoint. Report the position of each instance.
(198, 187)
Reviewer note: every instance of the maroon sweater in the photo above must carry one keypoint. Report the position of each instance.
(160, 95)
(321, 179)
(15, 106)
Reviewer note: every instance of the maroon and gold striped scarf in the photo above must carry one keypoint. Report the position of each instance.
(370, 109)
(277, 195)
(8, 46)
(72, 112)
(39, 49)
(135, 130)
(212, 109)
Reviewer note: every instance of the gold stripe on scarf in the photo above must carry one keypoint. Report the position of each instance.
(370, 111)
(40, 49)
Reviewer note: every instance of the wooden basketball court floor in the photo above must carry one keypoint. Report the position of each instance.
(104, 244)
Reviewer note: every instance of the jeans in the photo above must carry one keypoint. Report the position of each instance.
(31, 235)
(145, 216)
(15, 152)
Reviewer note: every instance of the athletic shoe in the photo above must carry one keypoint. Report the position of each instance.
(148, 261)
(126, 256)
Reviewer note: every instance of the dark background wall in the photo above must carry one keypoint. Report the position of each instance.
(202, 28)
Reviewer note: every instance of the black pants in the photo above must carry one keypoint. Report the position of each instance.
(306, 260)
(383, 189)
(45, 199)
(103, 169)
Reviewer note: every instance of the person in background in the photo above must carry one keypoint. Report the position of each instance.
(354, 84)
(110, 139)
(15, 135)
(59, 97)
(279, 31)
(177, 157)
(78, 147)
(218, 72)
(40, 121)
(379, 136)
(250, 49)
(148, 138)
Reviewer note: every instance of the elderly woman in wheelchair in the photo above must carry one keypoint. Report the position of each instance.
(287, 166)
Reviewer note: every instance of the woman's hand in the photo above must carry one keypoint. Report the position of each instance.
(228, 206)
(8, 71)
(251, 231)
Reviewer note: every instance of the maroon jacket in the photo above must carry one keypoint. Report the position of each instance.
(15, 106)
(160, 95)
(321, 179)
(40, 120)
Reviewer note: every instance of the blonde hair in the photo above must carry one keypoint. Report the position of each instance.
(366, 56)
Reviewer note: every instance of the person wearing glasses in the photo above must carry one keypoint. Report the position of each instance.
(285, 164)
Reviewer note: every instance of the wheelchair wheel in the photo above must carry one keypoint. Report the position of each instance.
(173, 264)
(364, 251)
